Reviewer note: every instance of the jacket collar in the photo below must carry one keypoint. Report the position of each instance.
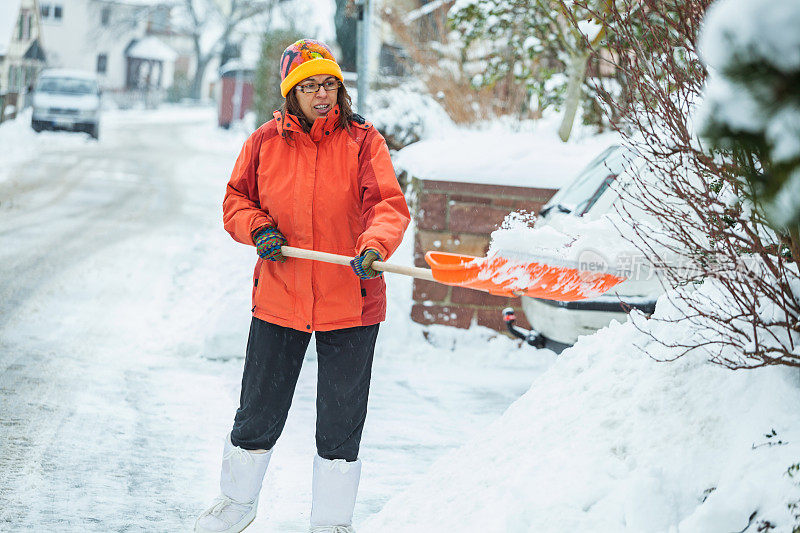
(322, 126)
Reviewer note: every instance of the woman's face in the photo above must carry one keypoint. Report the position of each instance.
(318, 104)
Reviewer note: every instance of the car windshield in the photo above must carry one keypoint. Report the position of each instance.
(67, 86)
(580, 195)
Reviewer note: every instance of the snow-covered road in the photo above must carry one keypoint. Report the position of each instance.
(124, 310)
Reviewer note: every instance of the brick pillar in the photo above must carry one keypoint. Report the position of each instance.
(460, 217)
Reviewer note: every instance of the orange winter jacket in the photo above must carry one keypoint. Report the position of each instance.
(326, 190)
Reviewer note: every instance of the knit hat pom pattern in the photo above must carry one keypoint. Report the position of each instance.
(306, 58)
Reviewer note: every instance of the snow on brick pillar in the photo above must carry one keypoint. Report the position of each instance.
(459, 217)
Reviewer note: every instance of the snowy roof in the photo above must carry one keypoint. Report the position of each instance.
(9, 13)
(237, 64)
(152, 48)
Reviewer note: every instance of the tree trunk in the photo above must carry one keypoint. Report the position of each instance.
(197, 81)
(577, 73)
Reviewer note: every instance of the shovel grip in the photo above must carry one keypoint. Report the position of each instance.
(325, 257)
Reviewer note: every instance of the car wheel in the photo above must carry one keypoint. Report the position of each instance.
(94, 131)
(36, 125)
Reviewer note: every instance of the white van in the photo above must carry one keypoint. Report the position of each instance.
(590, 195)
(67, 100)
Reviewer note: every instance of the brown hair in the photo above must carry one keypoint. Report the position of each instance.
(292, 106)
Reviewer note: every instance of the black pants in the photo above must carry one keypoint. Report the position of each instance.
(271, 368)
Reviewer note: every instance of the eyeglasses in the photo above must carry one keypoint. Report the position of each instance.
(330, 85)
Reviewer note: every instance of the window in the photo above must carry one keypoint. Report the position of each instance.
(51, 12)
(57, 85)
(12, 78)
(24, 32)
(105, 16)
(102, 62)
(580, 195)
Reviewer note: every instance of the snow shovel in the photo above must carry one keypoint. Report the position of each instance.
(497, 275)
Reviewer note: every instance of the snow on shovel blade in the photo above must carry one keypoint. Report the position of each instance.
(506, 277)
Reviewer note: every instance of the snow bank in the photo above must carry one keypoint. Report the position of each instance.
(608, 439)
(498, 155)
(20, 143)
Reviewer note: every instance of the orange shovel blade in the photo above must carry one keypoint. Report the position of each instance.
(504, 277)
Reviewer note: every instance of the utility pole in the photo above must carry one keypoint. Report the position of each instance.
(363, 30)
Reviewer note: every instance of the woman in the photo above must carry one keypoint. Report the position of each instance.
(319, 177)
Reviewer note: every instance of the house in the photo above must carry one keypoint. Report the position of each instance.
(21, 52)
(114, 39)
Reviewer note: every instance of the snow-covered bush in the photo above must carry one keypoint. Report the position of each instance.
(513, 42)
(529, 46)
(405, 116)
(752, 100)
(713, 228)
(793, 472)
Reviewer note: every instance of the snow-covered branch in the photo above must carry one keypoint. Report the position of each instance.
(735, 281)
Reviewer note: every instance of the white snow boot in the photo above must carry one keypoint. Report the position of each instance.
(334, 490)
(240, 484)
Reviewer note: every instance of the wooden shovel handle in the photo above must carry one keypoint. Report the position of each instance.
(301, 253)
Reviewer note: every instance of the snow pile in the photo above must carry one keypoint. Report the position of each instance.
(567, 257)
(608, 439)
(20, 143)
(498, 155)
(566, 240)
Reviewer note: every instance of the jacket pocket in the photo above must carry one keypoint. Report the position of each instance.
(256, 275)
(338, 294)
(271, 294)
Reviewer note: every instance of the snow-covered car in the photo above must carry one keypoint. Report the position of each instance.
(67, 100)
(591, 196)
